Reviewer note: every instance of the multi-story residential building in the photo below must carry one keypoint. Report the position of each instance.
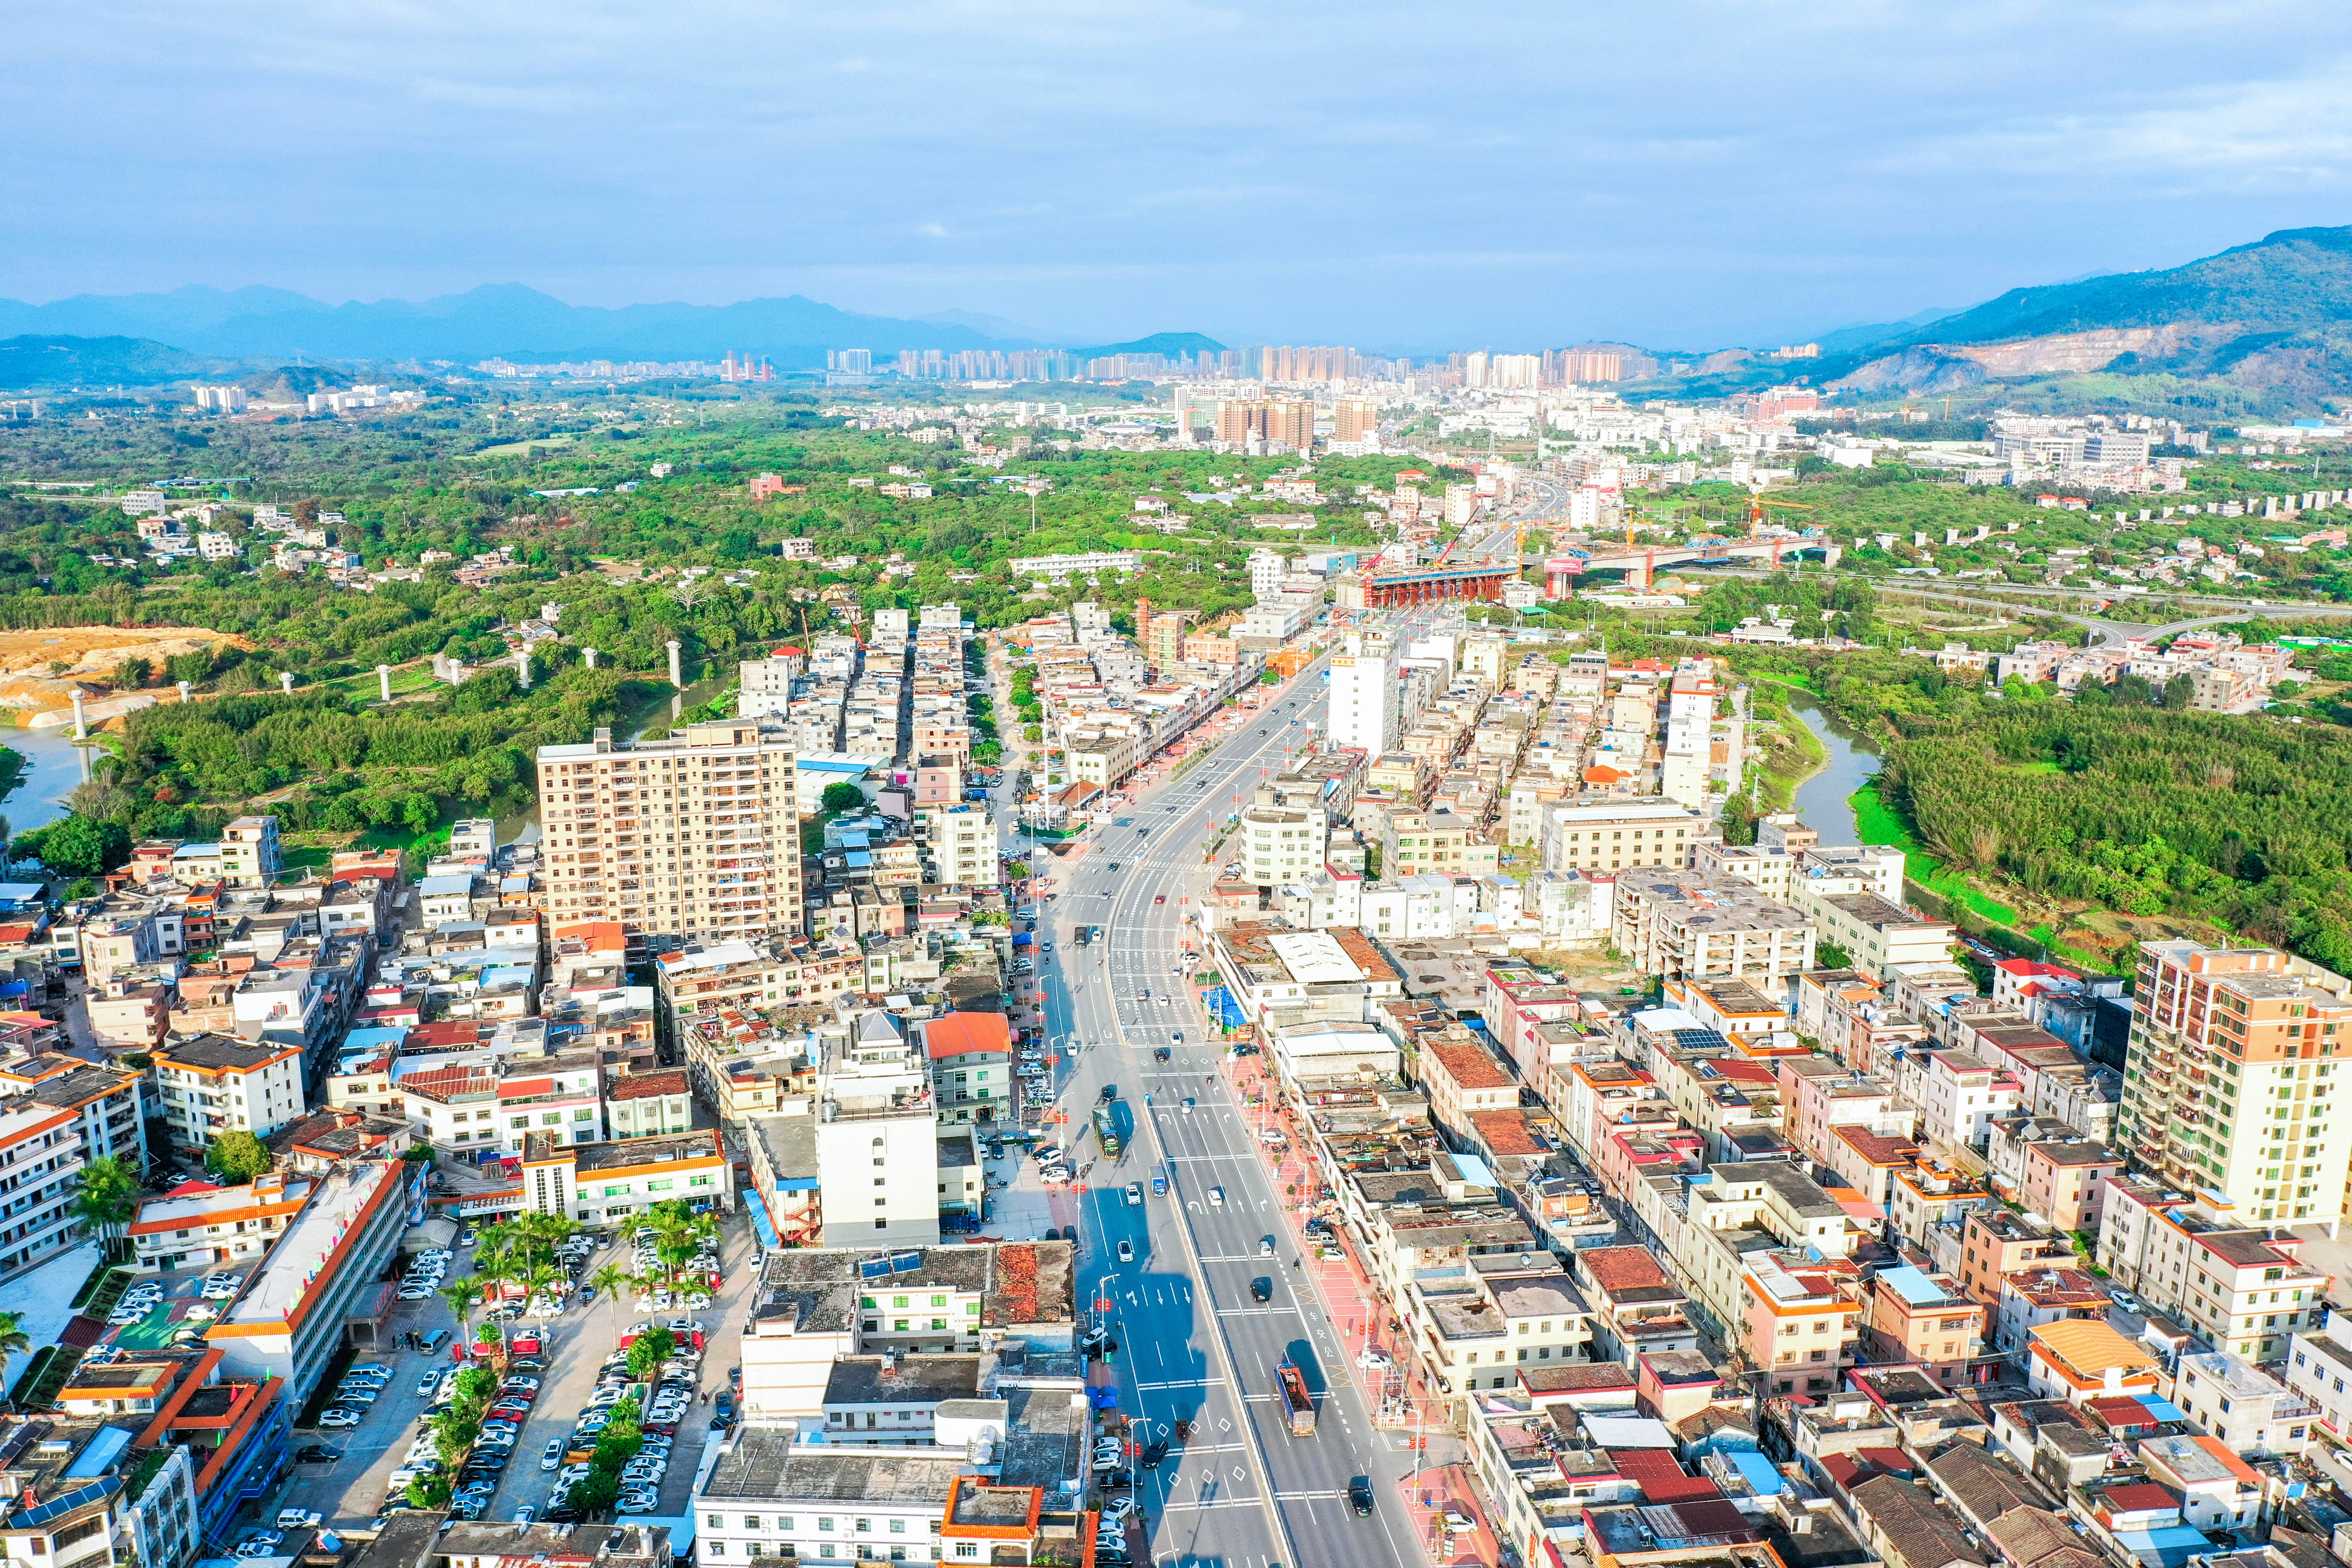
(1621, 836)
(1878, 935)
(649, 1104)
(877, 1140)
(1799, 1322)
(961, 840)
(1994, 1242)
(766, 1497)
(2319, 1368)
(295, 1309)
(614, 1182)
(81, 1496)
(2228, 1076)
(2246, 1290)
(1483, 1337)
(1911, 1315)
(107, 1104)
(1686, 923)
(2250, 1412)
(213, 1084)
(2078, 1361)
(250, 852)
(1363, 692)
(972, 1067)
(1445, 842)
(1282, 835)
(695, 834)
(1960, 1095)
(41, 1159)
(202, 1224)
(2032, 1297)
(1932, 1197)
(817, 1305)
(1818, 1095)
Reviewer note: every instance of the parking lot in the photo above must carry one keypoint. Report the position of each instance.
(348, 1490)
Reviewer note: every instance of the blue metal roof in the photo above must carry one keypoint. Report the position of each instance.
(1913, 1285)
(100, 1454)
(1757, 1470)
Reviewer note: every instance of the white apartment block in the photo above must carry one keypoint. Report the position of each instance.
(213, 1084)
(695, 834)
(1282, 843)
(962, 842)
(1363, 699)
(1621, 835)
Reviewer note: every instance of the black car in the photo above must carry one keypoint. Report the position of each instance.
(1113, 867)
(1359, 1494)
(1151, 1457)
(316, 1454)
(1117, 1478)
(562, 1513)
(1163, 1054)
(1262, 1288)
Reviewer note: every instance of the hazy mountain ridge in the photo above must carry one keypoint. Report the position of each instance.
(508, 319)
(2272, 320)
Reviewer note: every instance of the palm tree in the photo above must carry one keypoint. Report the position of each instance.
(109, 1196)
(609, 1281)
(463, 1297)
(13, 1341)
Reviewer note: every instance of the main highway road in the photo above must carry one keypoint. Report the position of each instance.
(1193, 1341)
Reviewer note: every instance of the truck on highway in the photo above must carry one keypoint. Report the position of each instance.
(1159, 1184)
(1294, 1398)
(1107, 1132)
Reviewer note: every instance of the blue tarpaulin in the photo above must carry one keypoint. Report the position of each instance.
(760, 1225)
(1224, 1009)
(1022, 940)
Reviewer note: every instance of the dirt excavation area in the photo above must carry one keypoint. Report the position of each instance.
(40, 670)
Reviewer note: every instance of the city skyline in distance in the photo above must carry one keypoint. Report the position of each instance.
(1520, 178)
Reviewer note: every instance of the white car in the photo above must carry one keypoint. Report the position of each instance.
(1372, 1357)
(414, 1292)
(297, 1518)
(335, 1417)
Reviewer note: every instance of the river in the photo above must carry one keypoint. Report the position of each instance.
(1821, 800)
(53, 765)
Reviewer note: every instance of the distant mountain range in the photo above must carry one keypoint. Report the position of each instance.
(2265, 326)
(501, 318)
(2273, 319)
(38, 361)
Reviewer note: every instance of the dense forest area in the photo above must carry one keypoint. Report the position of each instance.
(2240, 820)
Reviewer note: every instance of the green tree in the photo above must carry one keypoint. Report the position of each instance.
(649, 1349)
(463, 1296)
(107, 1201)
(84, 845)
(841, 797)
(234, 1158)
(14, 1342)
(609, 1281)
(596, 1490)
(430, 1491)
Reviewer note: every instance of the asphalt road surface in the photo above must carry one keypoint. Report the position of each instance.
(1194, 1342)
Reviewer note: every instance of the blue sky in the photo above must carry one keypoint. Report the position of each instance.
(1506, 174)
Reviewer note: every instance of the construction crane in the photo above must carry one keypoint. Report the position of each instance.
(1756, 503)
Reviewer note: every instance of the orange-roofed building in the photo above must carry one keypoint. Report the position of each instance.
(1464, 1079)
(972, 1067)
(2077, 1360)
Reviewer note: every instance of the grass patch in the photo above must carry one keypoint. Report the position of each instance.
(45, 1376)
(1878, 824)
(98, 1281)
(2036, 767)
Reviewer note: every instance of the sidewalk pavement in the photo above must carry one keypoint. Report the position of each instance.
(1428, 1496)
